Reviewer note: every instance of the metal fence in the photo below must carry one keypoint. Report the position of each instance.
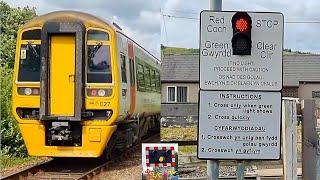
(318, 112)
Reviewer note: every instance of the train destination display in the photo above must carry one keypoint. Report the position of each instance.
(221, 70)
(239, 125)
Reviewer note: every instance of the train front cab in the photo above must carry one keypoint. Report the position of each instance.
(64, 92)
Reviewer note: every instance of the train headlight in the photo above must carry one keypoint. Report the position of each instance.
(101, 92)
(27, 91)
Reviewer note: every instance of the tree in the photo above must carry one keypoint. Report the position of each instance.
(12, 19)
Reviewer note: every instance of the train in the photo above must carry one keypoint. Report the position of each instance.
(82, 87)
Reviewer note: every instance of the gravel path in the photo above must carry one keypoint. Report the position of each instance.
(202, 171)
(195, 172)
(127, 169)
(131, 169)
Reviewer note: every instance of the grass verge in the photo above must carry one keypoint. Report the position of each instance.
(8, 161)
(178, 134)
(187, 150)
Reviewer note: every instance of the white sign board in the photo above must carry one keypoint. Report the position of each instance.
(221, 70)
(239, 125)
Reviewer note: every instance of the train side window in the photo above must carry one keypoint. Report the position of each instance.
(158, 81)
(147, 78)
(132, 72)
(123, 68)
(96, 35)
(153, 80)
(140, 75)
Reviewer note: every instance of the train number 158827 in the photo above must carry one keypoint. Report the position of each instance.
(100, 103)
(104, 103)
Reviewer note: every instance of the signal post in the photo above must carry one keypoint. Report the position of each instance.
(240, 85)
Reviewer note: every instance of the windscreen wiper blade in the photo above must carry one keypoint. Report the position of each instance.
(96, 48)
(34, 51)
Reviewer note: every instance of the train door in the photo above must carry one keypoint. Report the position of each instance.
(62, 75)
(125, 85)
(132, 78)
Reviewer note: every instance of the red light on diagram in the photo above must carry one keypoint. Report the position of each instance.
(241, 25)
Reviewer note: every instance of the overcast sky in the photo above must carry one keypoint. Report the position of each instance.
(185, 32)
(140, 19)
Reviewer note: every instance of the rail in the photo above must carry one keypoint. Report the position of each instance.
(70, 168)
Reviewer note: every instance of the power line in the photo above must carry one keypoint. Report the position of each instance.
(290, 22)
(179, 17)
(187, 12)
(165, 27)
(305, 22)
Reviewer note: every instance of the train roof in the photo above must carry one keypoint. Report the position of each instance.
(67, 15)
(85, 18)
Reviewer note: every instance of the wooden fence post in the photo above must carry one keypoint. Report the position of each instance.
(289, 134)
(309, 139)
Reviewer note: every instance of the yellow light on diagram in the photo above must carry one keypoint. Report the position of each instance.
(161, 159)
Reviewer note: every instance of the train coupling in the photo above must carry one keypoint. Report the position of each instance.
(64, 133)
(60, 133)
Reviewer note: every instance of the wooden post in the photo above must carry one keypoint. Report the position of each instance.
(318, 139)
(309, 139)
(318, 158)
(240, 170)
(289, 122)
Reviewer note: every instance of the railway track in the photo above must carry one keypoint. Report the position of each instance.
(74, 168)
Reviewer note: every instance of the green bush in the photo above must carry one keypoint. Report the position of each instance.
(11, 20)
(12, 143)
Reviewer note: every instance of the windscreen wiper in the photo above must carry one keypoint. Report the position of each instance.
(96, 48)
(34, 51)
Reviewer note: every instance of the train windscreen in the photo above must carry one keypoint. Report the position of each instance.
(29, 65)
(99, 66)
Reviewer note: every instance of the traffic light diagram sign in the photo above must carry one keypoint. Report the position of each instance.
(159, 159)
(241, 50)
(160, 156)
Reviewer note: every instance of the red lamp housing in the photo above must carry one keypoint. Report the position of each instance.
(241, 40)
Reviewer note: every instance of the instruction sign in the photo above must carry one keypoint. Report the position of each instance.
(239, 125)
(221, 70)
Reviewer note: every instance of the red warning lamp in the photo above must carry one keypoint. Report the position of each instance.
(241, 40)
(241, 24)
